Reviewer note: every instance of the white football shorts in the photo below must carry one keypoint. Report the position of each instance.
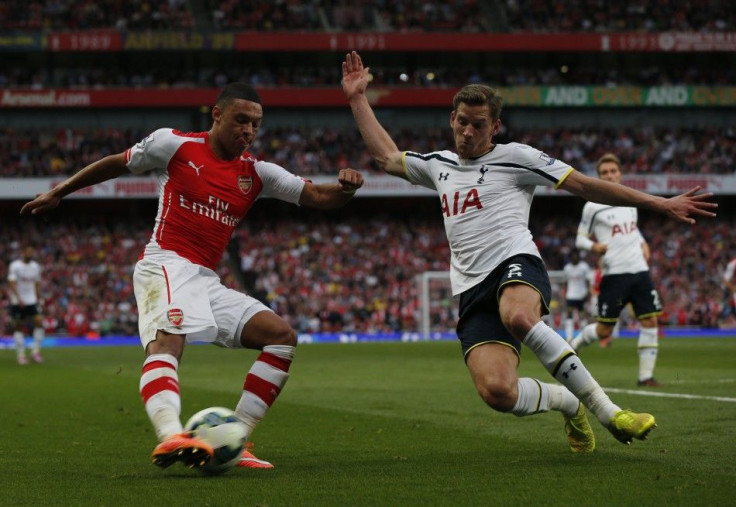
(180, 297)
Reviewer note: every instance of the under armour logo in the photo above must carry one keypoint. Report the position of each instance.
(514, 270)
(443, 176)
(483, 171)
(572, 368)
(193, 166)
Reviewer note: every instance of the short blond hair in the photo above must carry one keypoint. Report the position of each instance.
(607, 157)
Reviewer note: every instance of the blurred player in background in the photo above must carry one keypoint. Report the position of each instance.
(486, 192)
(578, 277)
(207, 184)
(729, 282)
(612, 232)
(24, 282)
(595, 290)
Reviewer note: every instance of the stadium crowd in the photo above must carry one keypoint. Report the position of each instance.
(436, 74)
(261, 15)
(326, 275)
(95, 14)
(55, 152)
(635, 16)
(364, 15)
(644, 150)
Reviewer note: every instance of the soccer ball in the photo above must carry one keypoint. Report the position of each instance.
(220, 428)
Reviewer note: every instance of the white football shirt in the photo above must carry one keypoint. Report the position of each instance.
(25, 275)
(578, 277)
(729, 274)
(485, 203)
(616, 227)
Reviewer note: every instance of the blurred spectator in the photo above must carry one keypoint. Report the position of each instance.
(442, 73)
(267, 16)
(328, 276)
(365, 15)
(93, 14)
(419, 15)
(643, 150)
(632, 16)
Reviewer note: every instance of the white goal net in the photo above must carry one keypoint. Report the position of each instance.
(439, 310)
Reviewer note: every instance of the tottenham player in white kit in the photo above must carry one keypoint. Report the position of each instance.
(207, 184)
(612, 231)
(578, 277)
(24, 282)
(485, 192)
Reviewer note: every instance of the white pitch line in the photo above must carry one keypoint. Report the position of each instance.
(703, 381)
(669, 395)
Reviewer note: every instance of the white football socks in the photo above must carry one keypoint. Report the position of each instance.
(565, 366)
(38, 336)
(264, 382)
(536, 397)
(587, 336)
(569, 329)
(159, 388)
(20, 345)
(648, 349)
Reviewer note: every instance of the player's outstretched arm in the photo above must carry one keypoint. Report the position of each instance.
(332, 195)
(104, 169)
(583, 239)
(380, 145)
(681, 207)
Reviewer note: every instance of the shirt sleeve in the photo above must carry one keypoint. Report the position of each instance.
(279, 183)
(152, 152)
(541, 169)
(585, 228)
(729, 272)
(417, 169)
(12, 272)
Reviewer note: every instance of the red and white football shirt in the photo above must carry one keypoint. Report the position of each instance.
(201, 197)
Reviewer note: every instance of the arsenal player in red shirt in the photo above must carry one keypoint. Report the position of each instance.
(207, 182)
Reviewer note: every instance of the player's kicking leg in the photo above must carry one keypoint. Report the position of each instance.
(560, 360)
(532, 396)
(159, 388)
(184, 448)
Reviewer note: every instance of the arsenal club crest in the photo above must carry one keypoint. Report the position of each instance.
(245, 183)
(176, 316)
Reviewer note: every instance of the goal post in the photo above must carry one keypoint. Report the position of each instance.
(438, 309)
(436, 303)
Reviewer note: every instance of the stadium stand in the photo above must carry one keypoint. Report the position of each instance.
(86, 15)
(638, 16)
(260, 15)
(207, 68)
(308, 152)
(398, 15)
(652, 82)
(324, 273)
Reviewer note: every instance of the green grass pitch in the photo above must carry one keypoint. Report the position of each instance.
(369, 424)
